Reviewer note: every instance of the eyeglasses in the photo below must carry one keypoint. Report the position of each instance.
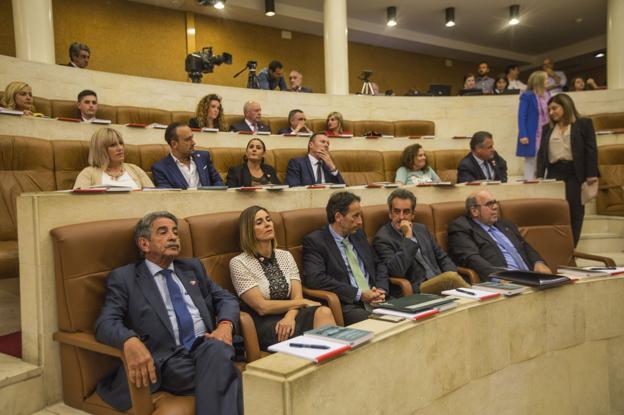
(490, 203)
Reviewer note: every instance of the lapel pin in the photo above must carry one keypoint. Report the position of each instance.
(193, 282)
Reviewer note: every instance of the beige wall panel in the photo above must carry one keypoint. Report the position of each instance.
(124, 37)
(7, 35)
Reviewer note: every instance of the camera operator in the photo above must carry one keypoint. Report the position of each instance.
(272, 77)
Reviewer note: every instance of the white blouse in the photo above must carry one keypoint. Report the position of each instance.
(124, 180)
(247, 272)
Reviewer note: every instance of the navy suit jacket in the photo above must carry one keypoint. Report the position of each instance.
(469, 170)
(324, 268)
(168, 175)
(134, 308)
(299, 173)
(472, 247)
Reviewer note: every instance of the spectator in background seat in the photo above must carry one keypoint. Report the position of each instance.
(87, 105)
(209, 114)
(297, 121)
(512, 72)
(253, 171)
(483, 81)
(483, 162)
(107, 166)
(18, 97)
(79, 55)
(252, 123)
(556, 79)
(334, 124)
(267, 281)
(272, 77)
(295, 79)
(184, 167)
(578, 84)
(414, 167)
(500, 85)
(532, 116)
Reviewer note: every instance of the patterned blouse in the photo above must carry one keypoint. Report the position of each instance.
(272, 275)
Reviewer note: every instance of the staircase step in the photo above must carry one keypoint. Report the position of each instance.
(597, 243)
(602, 224)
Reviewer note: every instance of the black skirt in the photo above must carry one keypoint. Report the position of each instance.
(265, 325)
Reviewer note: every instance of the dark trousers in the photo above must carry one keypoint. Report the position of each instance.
(354, 313)
(208, 372)
(563, 170)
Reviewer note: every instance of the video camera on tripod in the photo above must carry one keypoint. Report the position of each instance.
(252, 78)
(199, 63)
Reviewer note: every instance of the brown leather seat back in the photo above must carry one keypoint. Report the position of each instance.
(150, 154)
(297, 224)
(359, 166)
(443, 214)
(140, 115)
(26, 165)
(232, 119)
(43, 106)
(181, 116)
(545, 225)
(608, 121)
(107, 112)
(317, 125)
(70, 157)
(281, 157)
(276, 123)
(446, 163)
(391, 161)
(610, 200)
(362, 127)
(413, 127)
(64, 108)
(226, 157)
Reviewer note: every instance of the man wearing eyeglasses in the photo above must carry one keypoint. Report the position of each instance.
(295, 79)
(482, 241)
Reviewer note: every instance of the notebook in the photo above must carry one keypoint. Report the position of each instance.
(315, 355)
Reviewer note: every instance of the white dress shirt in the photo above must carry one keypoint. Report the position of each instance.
(189, 172)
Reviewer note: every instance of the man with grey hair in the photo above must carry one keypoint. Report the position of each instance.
(253, 114)
(173, 324)
(79, 55)
(409, 251)
(484, 242)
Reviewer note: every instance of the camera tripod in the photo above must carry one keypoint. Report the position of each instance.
(367, 88)
(252, 78)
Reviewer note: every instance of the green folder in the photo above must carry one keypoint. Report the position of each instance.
(414, 303)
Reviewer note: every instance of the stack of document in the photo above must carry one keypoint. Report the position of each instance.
(415, 306)
(471, 294)
(310, 348)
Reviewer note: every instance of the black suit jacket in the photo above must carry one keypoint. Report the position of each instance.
(238, 176)
(399, 253)
(584, 153)
(299, 173)
(324, 268)
(470, 246)
(242, 126)
(134, 308)
(469, 170)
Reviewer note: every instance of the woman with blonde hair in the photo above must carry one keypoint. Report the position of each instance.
(18, 97)
(334, 124)
(532, 116)
(267, 280)
(106, 164)
(209, 114)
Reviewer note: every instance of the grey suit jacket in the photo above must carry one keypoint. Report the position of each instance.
(134, 307)
(399, 253)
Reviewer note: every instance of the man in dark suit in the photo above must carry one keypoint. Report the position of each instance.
(316, 167)
(297, 121)
(87, 105)
(338, 258)
(79, 55)
(408, 250)
(295, 79)
(253, 114)
(483, 242)
(184, 167)
(173, 324)
(483, 162)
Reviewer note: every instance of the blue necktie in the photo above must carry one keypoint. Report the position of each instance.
(186, 329)
(510, 250)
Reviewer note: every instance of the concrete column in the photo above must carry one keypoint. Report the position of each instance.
(34, 30)
(336, 47)
(615, 44)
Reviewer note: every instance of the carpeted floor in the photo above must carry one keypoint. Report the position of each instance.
(11, 344)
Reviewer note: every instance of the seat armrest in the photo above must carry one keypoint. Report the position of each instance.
(403, 284)
(250, 336)
(331, 299)
(605, 260)
(469, 275)
(141, 397)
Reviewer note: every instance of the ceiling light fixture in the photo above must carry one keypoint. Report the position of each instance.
(599, 55)
(514, 15)
(219, 4)
(450, 16)
(391, 16)
(269, 7)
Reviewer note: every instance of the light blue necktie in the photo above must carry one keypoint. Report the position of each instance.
(186, 329)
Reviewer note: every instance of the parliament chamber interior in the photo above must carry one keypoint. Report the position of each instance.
(556, 351)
